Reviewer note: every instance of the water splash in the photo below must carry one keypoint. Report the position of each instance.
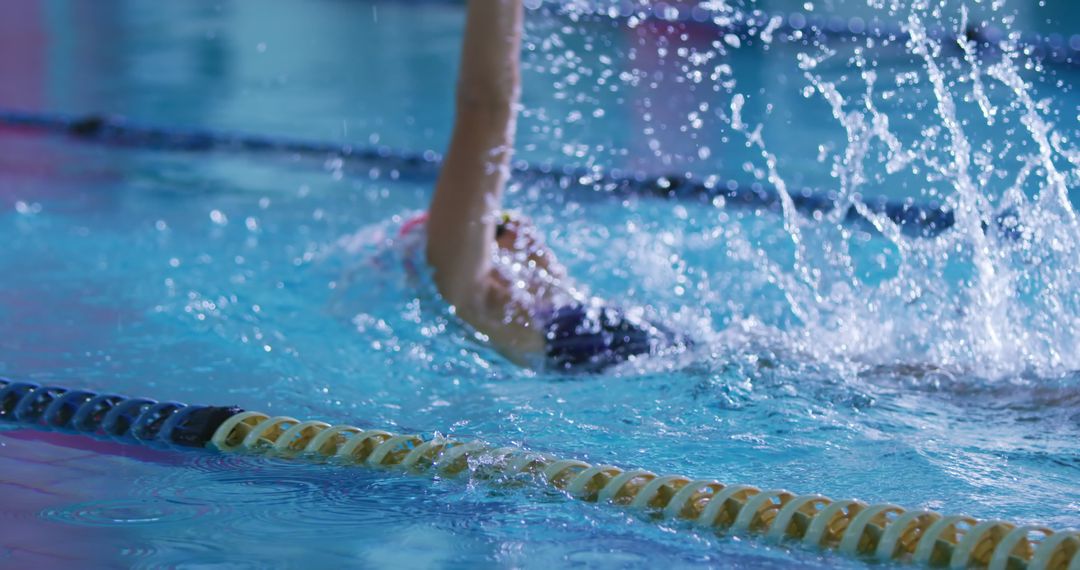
(1014, 306)
(996, 295)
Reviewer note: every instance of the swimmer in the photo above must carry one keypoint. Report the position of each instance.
(493, 267)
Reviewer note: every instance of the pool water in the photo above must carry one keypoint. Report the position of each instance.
(848, 362)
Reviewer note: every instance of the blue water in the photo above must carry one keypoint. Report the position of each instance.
(222, 278)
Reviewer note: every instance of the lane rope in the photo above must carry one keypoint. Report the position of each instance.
(914, 219)
(873, 532)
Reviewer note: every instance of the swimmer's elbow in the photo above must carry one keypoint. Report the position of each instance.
(467, 299)
(460, 287)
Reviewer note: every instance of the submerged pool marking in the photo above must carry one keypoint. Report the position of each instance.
(915, 219)
(883, 532)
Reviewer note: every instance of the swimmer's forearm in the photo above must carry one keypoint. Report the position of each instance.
(461, 226)
(490, 77)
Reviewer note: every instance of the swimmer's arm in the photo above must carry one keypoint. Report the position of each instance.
(461, 225)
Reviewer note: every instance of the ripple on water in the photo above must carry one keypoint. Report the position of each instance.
(310, 500)
(140, 511)
(223, 462)
(272, 510)
(197, 552)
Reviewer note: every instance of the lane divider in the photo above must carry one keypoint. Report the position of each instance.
(130, 420)
(874, 532)
(915, 219)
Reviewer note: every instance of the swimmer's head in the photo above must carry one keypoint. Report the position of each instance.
(514, 232)
(517, 236)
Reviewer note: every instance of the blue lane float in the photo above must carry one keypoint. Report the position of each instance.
(134, 420)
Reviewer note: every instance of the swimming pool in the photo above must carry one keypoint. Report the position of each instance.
(258, 280)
